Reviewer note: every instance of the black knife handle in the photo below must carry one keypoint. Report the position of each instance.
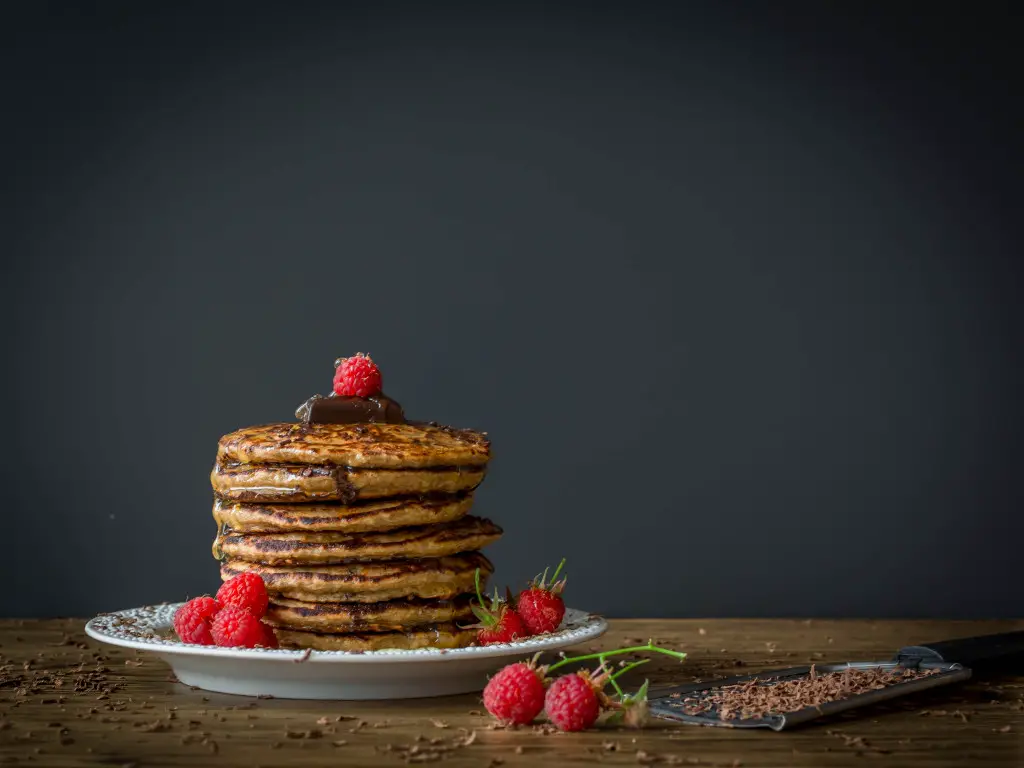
(980, 652)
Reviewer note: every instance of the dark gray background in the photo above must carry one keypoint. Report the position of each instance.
(733, 287)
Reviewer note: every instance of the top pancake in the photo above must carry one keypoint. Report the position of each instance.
(356, 445)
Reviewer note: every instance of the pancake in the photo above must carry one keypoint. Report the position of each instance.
(389, 616)
(441, 636)
(372, 516)
(325, 548)
(298, 482)
(441, 578)
(379, 446)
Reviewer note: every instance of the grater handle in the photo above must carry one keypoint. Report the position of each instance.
(1006, 649)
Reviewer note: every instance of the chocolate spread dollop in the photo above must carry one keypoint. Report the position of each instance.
(336, 409)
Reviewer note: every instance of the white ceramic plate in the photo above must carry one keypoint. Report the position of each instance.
(290, 674)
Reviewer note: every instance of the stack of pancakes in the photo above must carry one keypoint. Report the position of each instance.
(360, 531)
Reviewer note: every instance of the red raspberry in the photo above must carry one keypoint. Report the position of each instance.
(571, 703)
(192, 620)
(540, 610)
(540, 605)
(235, 627)
(515, 694)
(246, 590)
(507, 628)
(498, 623)
(356, 376)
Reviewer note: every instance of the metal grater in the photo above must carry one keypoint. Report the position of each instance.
(988, 652)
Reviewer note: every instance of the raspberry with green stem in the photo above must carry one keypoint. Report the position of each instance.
(512, 694)
(540, 605)
(499, 623)
(630, 709)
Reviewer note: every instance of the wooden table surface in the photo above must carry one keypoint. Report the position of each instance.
(68, 701)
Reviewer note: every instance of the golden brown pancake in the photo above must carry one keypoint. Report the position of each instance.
(299, 483)
(371, 516)
(441, 636)
(388, 616)
(326, 548)
(392, 446)
(441, 578)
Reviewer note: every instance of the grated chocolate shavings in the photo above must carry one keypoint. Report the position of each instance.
(758, 698)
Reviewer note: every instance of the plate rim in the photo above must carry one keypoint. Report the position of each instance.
(592, 626)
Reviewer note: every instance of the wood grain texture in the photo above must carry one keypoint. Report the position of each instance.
(129, 711)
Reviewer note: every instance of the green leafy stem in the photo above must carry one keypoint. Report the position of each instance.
(605, 654)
